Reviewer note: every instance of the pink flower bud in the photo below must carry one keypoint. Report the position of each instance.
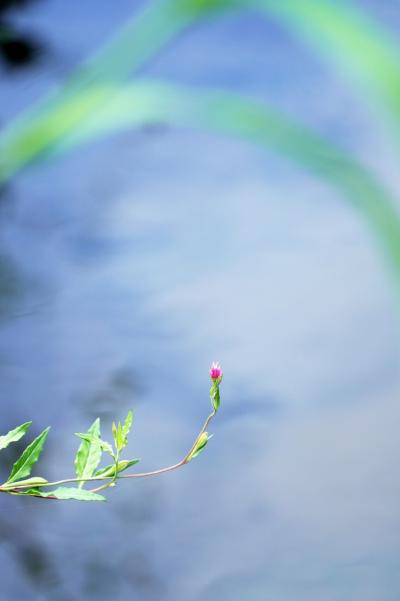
(216, 371)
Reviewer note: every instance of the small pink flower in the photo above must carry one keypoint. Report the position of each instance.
(216, 371)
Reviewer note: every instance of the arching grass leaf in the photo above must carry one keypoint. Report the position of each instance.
(352, 41)
(262, 124)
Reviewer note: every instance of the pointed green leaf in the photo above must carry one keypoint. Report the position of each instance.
(89, 453)
(23, 466)
(105, 446)
(35, 481)
(121, 432)
(121, 440)
(31, 492)
(201, 443)
(14, 435)
(126, 428)
(109, 470)
(114, 432)
(84, 436)
(76, 493)
(66, 493)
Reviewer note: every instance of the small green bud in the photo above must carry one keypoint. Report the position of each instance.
(214, 395)
(200, 444)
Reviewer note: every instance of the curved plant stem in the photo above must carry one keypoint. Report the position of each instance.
(162, 470)
(111, 480)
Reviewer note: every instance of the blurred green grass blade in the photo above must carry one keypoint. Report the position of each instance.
(351, 39)
(20, 146)
(68, 125)
(139, 39)
(257, 122)
(89, 103)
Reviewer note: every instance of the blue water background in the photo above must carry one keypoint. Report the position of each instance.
(131, 264)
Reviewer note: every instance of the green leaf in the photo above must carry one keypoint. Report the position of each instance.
(121, 432)
(114, 432)
(85, 436)
(14, 435)
(29, 482)
(120, 439)
(201, 443)
(66, 493)
(109, 470)
(126, 428)
(88, 455)
(214, 395)
(23, 466)
(105, 446)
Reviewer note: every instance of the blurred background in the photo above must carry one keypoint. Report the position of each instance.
(185, 181)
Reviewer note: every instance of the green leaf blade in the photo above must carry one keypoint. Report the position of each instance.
(14, 435)
(123, 465)
(126, 428)
(23, 466)
(105, 446)
(199, 447)
(35, 481)
(88, 455)
(64, 493)
(77, 494)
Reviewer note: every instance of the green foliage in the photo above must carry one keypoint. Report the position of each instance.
(23, 466)
(88, 455)
(126, 428)
(120, 432)
(64, 493)
(87, 460)
(199, 446)
(95, 440)
(14, 435)
(106, 447)
(35, 481)
(109, 470)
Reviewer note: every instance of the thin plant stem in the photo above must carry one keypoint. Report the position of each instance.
(15, 489)
(163, 470)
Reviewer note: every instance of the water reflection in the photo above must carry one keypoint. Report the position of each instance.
(132, 264)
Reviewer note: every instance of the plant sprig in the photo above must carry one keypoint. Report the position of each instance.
(89, 456)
